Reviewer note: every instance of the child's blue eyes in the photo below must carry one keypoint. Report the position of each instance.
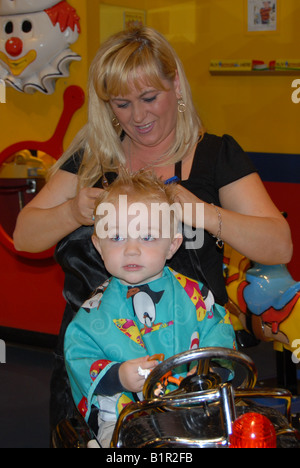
(147, 238)
(117, 238)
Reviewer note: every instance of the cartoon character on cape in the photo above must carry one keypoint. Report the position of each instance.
(120, 322)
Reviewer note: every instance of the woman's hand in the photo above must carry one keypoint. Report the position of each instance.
(83, 205)
(129, 375)
(191, 208)
(56, 211)
(248, 220)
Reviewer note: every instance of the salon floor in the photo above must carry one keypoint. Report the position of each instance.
(24, 397)
(24, 392)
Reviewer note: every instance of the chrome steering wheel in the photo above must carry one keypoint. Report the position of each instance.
(203, 356)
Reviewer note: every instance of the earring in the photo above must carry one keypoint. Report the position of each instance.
(115, 122)
(181, 106)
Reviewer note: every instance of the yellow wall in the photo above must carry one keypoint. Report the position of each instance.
(257, 111)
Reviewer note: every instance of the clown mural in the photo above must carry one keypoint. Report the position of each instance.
(35, 36)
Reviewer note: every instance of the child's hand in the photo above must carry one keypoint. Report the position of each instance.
(192, 371)
(129, 375)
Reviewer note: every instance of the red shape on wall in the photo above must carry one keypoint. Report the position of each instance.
(73, 100)
(31, 284)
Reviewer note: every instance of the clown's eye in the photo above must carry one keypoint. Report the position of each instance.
(26, 26)
(9, 27)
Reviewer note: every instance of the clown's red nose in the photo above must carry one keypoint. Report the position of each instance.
(14, 46)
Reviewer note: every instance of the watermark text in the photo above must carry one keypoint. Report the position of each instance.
(296, 94)
(2, 352)
(139, 220)
(296, 352)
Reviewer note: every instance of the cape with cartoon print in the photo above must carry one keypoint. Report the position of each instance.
(169, 315)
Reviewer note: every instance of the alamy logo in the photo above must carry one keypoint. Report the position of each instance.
(296, 93)
(2, 92)
(140, 220)
(2, 352)
(296, 352)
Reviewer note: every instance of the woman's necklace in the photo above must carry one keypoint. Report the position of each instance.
(146, 165)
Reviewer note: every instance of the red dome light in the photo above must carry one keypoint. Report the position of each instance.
(253, 430)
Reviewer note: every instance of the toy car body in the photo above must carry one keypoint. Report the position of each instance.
(201, 412)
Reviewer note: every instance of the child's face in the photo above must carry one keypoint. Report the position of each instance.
(133, 249)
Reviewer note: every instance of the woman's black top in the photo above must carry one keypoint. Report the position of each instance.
(218, 161)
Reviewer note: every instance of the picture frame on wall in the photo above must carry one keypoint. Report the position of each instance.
(134, 19)
(115, 18)
(262, 15)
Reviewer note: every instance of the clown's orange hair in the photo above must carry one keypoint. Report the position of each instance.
(65, 15)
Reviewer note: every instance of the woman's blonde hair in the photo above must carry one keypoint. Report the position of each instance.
(119, 59)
